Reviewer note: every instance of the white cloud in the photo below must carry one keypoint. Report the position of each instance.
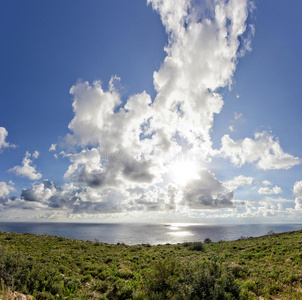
(3, 136)
(201, 58)
(53, 147)
(131, 146)
(27, 169)
(238, 181)
(15, 204)
(297, 188)
(269, 207)
(298, 193)
(247, 40)
(298, 202)
(5, 188)
(207, 192)
(36, 154)
(123, 151)
(264, 149)
(266, 190)
(78, 200)
(266, 182)
(40, 192)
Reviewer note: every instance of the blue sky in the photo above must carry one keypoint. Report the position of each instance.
(182, 111)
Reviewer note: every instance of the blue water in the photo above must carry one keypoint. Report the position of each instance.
(153, 234)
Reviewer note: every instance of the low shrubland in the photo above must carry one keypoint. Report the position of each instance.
(48, 267)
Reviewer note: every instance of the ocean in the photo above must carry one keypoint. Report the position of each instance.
(153, 234)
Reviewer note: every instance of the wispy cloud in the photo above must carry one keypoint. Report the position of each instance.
(53, 147)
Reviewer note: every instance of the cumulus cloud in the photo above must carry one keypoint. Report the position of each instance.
(75, 199)
(3, 136)
(9, 204)
(202, 54)
(238, 181)
(206, 193)
(27, 169)
(263, 149)
(131, 145)
(266, 190)
(40, 192)
(121, 152)
(298, 193)
(5, 188)
(264, 209)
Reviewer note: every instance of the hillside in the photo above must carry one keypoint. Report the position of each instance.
(48, 267)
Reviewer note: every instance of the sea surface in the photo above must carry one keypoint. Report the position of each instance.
(153, 234)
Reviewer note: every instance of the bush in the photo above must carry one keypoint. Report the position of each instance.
(44, 296)
(271, 233)
(86, 278)
(210, 282)
(120, 291)
(161, 278)
(29, 276)
(207, 240)
(237, 270)
(250, 285)
(197, 246)
(72, 284)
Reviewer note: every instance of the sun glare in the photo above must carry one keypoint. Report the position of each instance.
(183, 171)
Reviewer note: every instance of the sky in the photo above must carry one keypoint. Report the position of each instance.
(151, 111)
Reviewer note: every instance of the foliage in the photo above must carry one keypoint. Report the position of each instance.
(49, 267)
(196, 246)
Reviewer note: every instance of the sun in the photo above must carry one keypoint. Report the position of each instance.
(182, 172)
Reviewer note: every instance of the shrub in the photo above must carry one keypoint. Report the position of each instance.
(86, 278)
(196, 246)
(237, 270)
(211, 282)
(271, 233)
(250, 285)
(120, 291)
(160, 279)
(207, 240)
(44, 296)
(72, 284)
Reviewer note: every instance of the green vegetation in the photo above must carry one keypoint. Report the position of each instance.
(48, 267)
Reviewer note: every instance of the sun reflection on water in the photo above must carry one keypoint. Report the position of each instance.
(178, 229)
(180, 233)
